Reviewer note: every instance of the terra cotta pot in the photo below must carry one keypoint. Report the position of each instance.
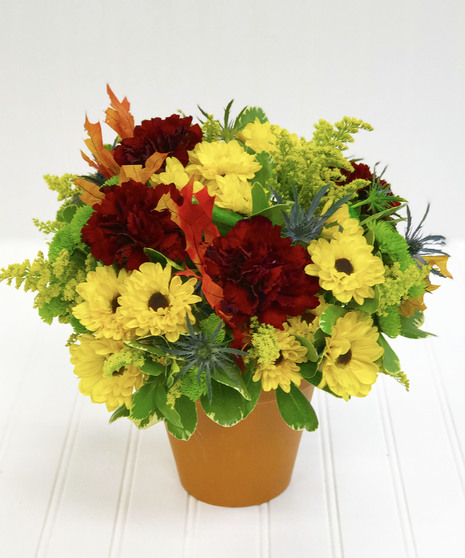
(242, 465)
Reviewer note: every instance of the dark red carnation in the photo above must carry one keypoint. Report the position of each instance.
(173, 135)
(261, 273)
(126, 222)
(363, 171)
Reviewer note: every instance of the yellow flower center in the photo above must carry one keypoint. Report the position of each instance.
(343, 265)
(157, 300)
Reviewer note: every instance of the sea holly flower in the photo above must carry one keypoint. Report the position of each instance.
(349, 364)
(346, 266)
(89, 358)
(261, 273)
(154, 303)
(127, 221)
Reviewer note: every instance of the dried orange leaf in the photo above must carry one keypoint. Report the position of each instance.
(91, 193)
(118, 116)
(103, 159)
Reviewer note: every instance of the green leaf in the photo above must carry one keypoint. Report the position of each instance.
(188, 415)
(153, 345)
(170, 414)
(319, 340)
(311, 351)
(232, 377)
(152, 368)
(66, 214)
(225, 219)
(265, 174)
(308, 371)
(227, 406)
(329, 316)
(120, 412)
(391, 361)
(370, 305)
(143, 402)
(249, 115)
(296, 410)
(409, 327)
(260, 200)
(158, 257)
(274, 213)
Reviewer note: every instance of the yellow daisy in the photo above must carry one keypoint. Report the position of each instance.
(306, 324)
(100, 310)
(153, 303)
(210, 160)
(348, 365)
(88, 358)
(175, 173)
(345, 266)
(340, 221)
(231, 192)
(284, 369)
(258, 136)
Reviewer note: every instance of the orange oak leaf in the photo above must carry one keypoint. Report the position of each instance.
(103, 159)
(118, 116)
(141, 173)
(91, 193)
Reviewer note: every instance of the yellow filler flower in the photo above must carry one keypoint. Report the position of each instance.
(89, 358)
(153, 303)
(348, 365)
(346, 267)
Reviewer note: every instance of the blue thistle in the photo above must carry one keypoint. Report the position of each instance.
(202, 351)
(304, 226)
(419, 245)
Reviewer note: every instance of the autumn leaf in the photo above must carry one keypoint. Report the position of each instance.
(141, 173)
(118, 116)
(103, 159)
(91, 193)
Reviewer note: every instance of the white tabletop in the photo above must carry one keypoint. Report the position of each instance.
(383, 476)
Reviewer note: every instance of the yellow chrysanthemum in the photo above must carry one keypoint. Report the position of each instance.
(88, 358)
(340, 221)
(284, 370)
(346, 267)
(153, 303)
(175, 173)
(231, 192)
(210, 160)
(348, 365)
(100, 310)
(258, 136)
(308, 323)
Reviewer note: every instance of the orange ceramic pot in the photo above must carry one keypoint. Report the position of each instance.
(242, 465)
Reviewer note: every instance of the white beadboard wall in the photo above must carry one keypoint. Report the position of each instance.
(383, 476)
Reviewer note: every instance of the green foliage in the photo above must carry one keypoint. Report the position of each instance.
(409, 327)
(389, 363)
(248, 115)
(296, 409)
(392, 243)
(389, 321)
(69, 237)
(187, 413)
(227, 406)
(329, 316)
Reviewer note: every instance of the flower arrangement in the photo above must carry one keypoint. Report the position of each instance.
(207, 262)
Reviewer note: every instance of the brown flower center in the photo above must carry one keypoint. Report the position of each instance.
(114, 304)
(345, 358)
(119, 372)
(279, 359)
(157, 300)
(308, 317)
(344, 266)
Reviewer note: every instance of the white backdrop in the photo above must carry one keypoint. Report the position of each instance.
(399, 65)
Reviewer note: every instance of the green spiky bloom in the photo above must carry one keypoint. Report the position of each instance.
(392, 243)
(389, 322)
